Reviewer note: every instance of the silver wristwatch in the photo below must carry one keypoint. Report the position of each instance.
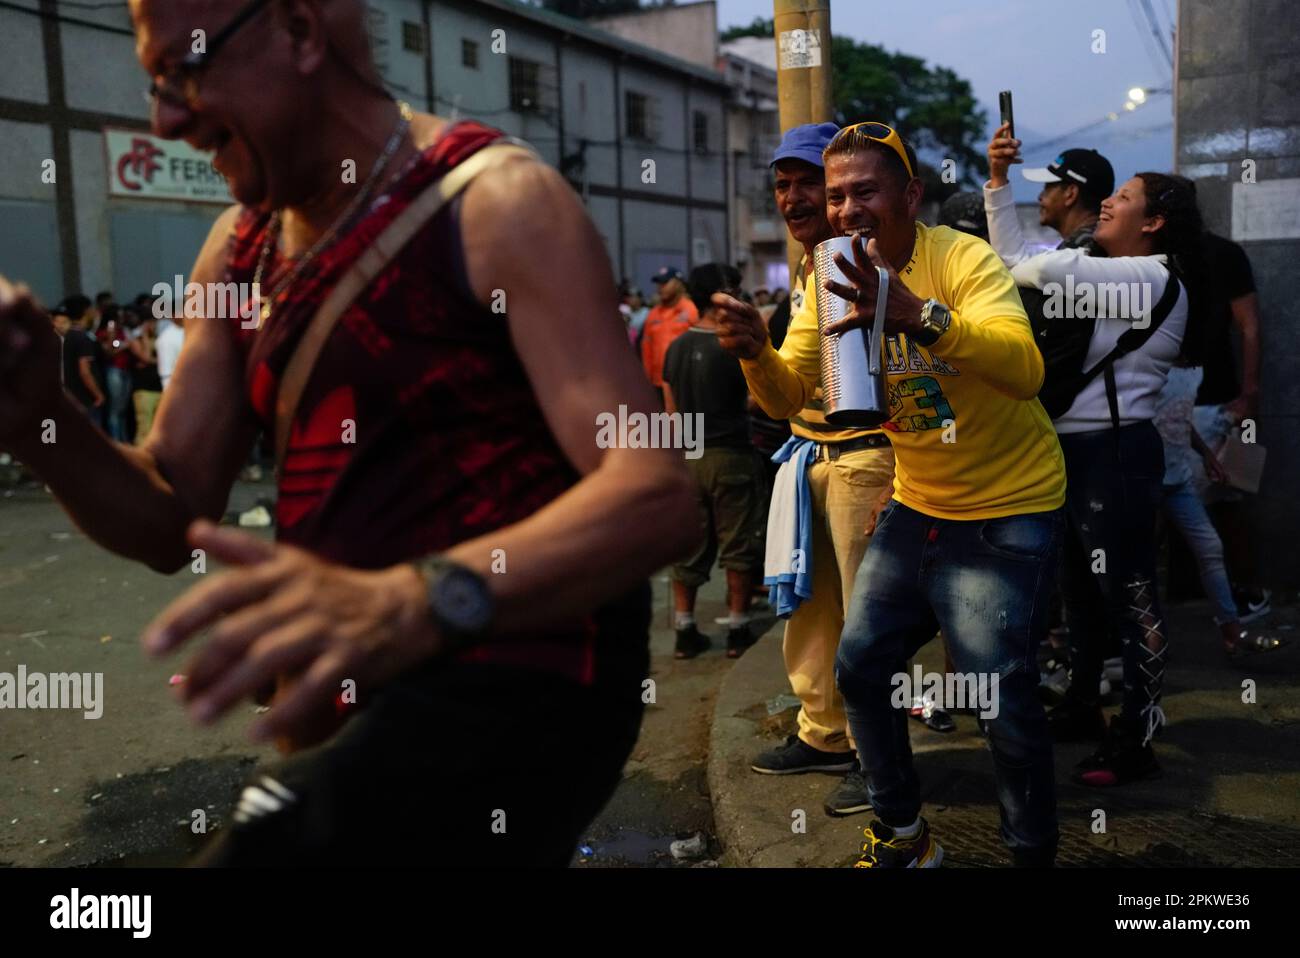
(935, 320)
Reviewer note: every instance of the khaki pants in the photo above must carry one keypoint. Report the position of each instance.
(146, 404)
(843, 492)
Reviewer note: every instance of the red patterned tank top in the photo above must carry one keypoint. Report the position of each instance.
(418, 428)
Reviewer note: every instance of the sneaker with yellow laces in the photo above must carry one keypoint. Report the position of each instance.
(884, 849)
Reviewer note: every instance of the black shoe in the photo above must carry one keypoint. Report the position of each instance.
(797, 756)
(850, 796)
(1252, 604)
(1122, 758)
(690, 643)
(882, 849)
(1075, 721)
(738, 640)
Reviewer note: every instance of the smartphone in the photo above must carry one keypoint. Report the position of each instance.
(1004, 104)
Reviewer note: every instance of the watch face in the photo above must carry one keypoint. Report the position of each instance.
(460, 599)
(937, 317)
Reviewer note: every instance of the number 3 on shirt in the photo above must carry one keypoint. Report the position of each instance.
(927, 397)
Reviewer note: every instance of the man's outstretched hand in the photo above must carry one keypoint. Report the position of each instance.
(281, 611)
(741, 330)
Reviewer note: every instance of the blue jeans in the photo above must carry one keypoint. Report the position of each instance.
(986, 583)
(119, 397)
(1186, 511)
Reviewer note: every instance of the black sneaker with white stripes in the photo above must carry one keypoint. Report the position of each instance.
(849, 797)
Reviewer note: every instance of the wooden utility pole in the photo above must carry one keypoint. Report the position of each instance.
(803, 61)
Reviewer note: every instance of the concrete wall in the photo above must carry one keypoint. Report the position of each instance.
(405, 73)
(1237, 99)
(22, 54)
(688, 31)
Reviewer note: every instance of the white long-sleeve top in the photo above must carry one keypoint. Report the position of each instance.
(1139, 375)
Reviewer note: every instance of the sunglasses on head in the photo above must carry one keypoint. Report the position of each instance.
(880, 133)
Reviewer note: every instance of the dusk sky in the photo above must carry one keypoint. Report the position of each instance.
(1041, 51)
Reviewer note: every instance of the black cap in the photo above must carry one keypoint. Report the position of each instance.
(665, 274)
(1087, 169)
(965, 212)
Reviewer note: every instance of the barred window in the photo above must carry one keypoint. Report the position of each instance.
(701, 132)
(469, 54)
(412, 36)
(533, 87)
(642, 117)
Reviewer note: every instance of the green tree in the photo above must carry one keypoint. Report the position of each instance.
(932, 106)
(581, 9)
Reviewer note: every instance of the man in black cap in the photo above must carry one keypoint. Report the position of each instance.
(1074, 184)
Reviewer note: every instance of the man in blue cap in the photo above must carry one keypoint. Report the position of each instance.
(848, 472)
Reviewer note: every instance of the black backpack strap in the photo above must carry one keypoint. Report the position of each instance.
(1112, 395)
(1129, 341)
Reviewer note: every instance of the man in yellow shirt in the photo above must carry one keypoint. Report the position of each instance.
(970, 539)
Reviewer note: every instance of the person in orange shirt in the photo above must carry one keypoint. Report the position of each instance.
(673, 316)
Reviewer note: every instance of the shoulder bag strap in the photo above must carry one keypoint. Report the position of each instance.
(380, 253)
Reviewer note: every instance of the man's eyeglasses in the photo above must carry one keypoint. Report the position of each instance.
(880, 133)
(180, 87)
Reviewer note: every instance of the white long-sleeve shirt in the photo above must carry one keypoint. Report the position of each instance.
(1139, 375)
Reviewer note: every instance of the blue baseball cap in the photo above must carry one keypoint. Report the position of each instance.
(665, 274)
(805, 143)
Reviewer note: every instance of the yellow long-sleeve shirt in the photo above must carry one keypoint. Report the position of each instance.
(970, 438)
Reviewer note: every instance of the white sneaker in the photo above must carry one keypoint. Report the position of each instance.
(255, 518)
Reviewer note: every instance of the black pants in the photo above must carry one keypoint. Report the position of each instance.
(462, 766)
(1108, 575)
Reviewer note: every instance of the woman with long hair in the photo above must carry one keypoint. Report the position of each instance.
(1150, 234)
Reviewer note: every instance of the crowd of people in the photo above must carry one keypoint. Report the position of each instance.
(451, 543)
(1077, 436)
(116, 360)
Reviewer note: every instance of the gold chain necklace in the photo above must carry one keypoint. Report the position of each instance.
(344, 219)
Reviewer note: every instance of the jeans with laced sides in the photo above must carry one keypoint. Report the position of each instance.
(986, 583)
(1108, 567)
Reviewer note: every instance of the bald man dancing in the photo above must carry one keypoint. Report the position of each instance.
(454, 549)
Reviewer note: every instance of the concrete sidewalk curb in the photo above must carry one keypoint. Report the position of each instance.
(757, 676)
(1228, 794)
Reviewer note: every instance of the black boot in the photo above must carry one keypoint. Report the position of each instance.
(1122, 758)
(690, 643)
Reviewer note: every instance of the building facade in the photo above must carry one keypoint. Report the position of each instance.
(754, 125)
(1237, 135)
(89, 201)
